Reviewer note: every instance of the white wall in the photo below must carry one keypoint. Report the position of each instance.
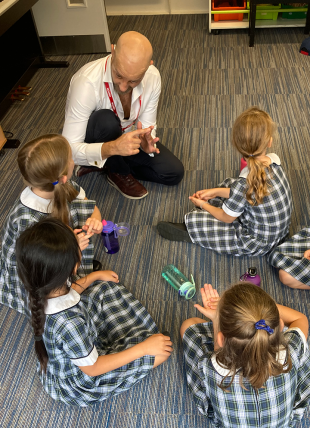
(53, 18)
(156, 7)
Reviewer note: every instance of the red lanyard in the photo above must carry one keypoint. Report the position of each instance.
(107, 86)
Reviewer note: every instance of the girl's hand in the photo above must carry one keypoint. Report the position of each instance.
(108, 275)
(82, 238)
(196, 201)
(158, 344)
(210, 299)
(206, 194)
(307, 254)
(92, 225)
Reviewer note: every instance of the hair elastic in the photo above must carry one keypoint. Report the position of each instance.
(38, 338)
(261, 325)
(251, 156)
(55, 182)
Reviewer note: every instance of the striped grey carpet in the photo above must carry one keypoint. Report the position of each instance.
(207, 82)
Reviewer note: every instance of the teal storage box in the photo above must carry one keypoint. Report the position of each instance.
(265, 14)
(293, 15)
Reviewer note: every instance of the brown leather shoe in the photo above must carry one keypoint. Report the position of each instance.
(80, 170)
(127, 185)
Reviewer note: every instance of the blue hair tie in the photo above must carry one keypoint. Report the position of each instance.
(55, 182)
(261, 325)
(251, 156)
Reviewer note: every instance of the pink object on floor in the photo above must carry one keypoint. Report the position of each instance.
(243, 164)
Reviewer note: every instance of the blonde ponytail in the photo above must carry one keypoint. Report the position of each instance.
(42, 162)
(252, 350)
(252, 132)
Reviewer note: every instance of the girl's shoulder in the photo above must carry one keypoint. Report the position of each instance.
(82, 194)
(274, 158)
(23, 212)
(297, 343)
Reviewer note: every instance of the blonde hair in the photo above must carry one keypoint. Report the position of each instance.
(43, 161)
(251, 134)
(253, 351)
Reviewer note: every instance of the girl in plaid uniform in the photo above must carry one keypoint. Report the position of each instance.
(46, 165)
(292, 258)
(245, 216)
(243, 370)
(92, 345)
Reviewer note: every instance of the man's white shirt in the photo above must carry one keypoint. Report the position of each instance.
(87, 93)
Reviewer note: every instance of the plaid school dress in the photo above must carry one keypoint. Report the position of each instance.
(280, 404)
(289, 256)
(257, 229)
(79, 328)
(27, 210)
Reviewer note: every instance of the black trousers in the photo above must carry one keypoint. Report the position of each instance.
(164, 168)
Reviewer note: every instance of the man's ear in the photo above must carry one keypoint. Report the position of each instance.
(270, 143)
(220, 339)
(63, 179)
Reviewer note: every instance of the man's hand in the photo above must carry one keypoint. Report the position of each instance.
(128, 144)
(147, 141)
(307, 254)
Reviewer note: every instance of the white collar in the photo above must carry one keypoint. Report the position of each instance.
(35, 202)
(59, 304)
(136, 92)
(274, 159)
(280, 357)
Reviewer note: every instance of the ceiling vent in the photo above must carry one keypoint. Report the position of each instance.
(76, 3)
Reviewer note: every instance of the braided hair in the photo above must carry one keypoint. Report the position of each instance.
(47, 254)
(251, 135)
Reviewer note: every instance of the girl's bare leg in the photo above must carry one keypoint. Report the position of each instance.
(291, 282)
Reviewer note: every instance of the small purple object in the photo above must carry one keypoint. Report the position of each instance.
(252, 276)
(110, 233)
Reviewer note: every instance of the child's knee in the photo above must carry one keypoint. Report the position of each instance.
(288, 280)
(189, 322)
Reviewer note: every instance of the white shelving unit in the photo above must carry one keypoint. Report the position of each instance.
(259, 23)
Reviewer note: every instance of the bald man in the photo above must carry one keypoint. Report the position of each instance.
(110, 119)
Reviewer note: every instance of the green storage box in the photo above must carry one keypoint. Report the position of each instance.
(265, 14)
(293, 15)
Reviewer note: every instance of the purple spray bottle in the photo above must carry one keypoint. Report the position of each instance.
(252, 276)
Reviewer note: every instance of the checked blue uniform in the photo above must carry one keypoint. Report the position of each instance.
(257, 229)
(289, 256)
(79, 328)
(27, 210)
(281, 404)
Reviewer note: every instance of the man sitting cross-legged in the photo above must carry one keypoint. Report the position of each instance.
(111, 119)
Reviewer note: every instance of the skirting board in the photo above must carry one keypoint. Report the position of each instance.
(179, 12)
(74, 45)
